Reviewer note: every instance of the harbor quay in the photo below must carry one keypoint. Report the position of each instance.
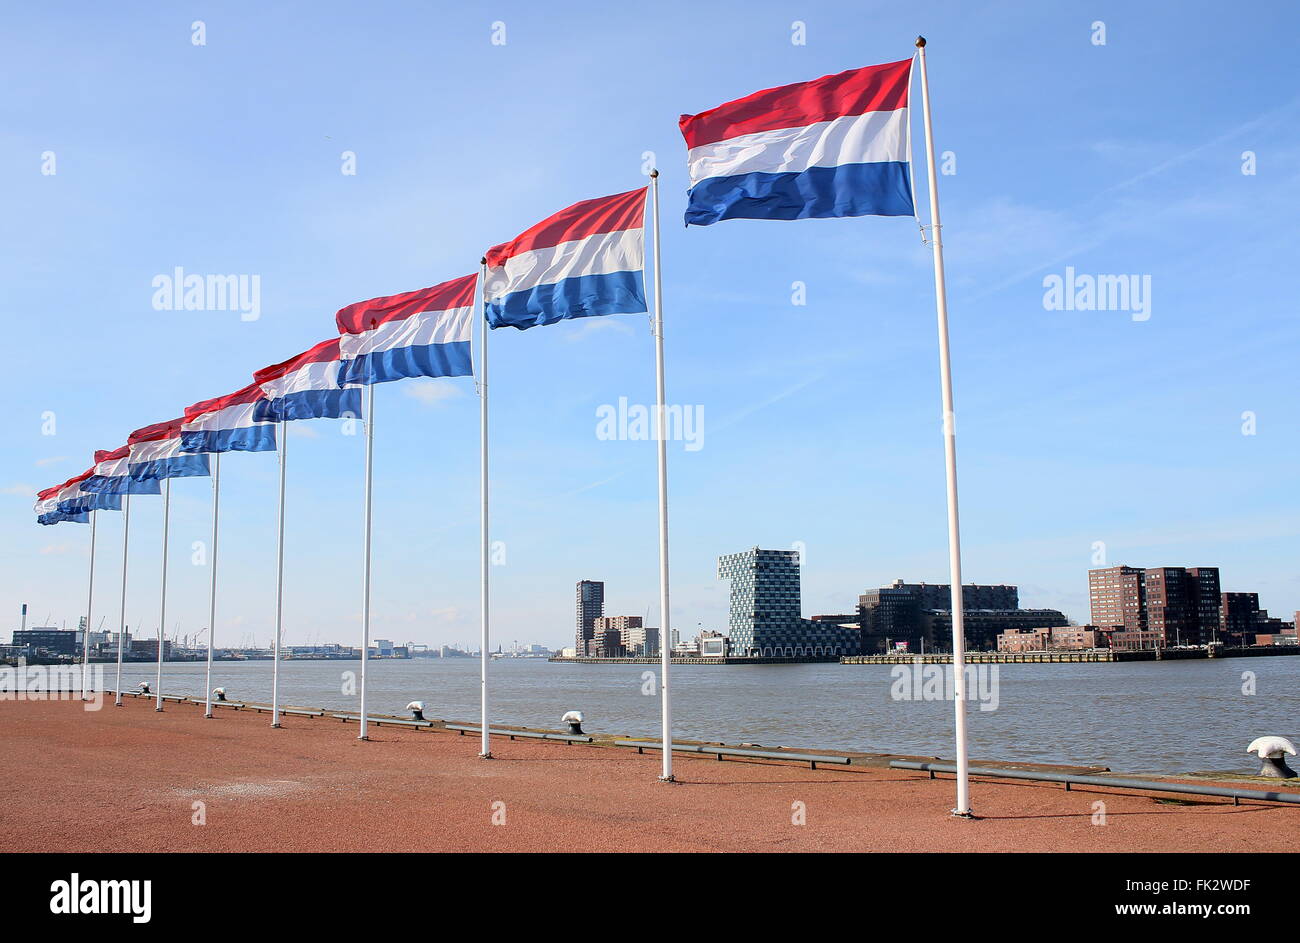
(133, 780)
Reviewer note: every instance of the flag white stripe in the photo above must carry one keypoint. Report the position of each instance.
(322, 375)
(601, 254)
(858, 139)
(419, 330)
(238, 416)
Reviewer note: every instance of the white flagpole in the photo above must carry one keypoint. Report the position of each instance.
(369, 426)
(279, 583)
(665, 630)
(90, 595)
(162, 609)
(950, 458)
(485, 747)
(121, 622)
(212, 575)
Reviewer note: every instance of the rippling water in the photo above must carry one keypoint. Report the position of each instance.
(1166, 717)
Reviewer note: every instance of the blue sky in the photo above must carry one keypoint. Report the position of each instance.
(821, 421)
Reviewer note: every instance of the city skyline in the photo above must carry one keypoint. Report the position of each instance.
(1059, 443)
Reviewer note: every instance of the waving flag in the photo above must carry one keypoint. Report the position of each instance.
(155, 453)
(835, 146)
(227, 424)
(586, 260)
(306, 387)
(73, 500)
(113, 475)
(424, 333)
(47, 509)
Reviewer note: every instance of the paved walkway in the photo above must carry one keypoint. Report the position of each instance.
(128, 779)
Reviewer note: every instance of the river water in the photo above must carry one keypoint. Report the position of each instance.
(1160, 717)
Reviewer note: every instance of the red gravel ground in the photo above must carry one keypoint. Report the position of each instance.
(126, 780)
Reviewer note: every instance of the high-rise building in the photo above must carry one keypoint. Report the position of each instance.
(1176, 605)
(765, 615)
(641, 640)
(615, 631)
(1182, 605)
(1237, 618)
(1207, 599)
(591, 606)
(1118, 598)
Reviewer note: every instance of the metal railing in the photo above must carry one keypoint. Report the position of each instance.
(463, 729)
(811, 758)
(1109, 782)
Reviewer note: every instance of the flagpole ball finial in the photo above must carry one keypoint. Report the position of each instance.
(654, 172)
(483, 261)
(920, 42)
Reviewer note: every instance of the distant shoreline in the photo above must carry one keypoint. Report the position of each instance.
(945, 658)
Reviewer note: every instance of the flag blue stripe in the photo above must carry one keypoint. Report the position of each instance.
(244, 439)
(582, 297)
(428, 360)
(91, 502)
(119, 484)
(882, 188)
(310, 404)
(58, 517)
(180, 466)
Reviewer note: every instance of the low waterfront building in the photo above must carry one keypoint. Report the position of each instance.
(919, 615)
(1129, 640)
(629, 630)
(1051, 638)
(982, 626)
(147, 648)
(765, 618)
(52, 640)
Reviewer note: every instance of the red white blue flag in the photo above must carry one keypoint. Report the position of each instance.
(112, 475)
(586, 260)
(307, 387)
(228, 424)
(155, 453)
(836, 146)
(424, 333)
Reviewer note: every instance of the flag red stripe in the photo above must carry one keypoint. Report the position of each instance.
(361, 316)
(589, 218)
(855, 92)
(325, 350)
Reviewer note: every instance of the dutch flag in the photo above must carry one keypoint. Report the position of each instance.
(47, 509)
(113, 475)
(306, 387)
(586, 260)
(227, 424)
(836, 146)
(424, 333)
(155, 453)
(73, 500)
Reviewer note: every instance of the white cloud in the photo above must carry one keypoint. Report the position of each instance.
(430, 391)
(583, 328)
